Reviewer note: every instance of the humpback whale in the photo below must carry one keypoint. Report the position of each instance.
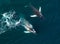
(37, 13)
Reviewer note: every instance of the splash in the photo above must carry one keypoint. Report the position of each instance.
(7, 22)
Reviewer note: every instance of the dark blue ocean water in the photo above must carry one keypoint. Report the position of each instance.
(48, 30)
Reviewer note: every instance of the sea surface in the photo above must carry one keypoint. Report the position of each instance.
(48, 29)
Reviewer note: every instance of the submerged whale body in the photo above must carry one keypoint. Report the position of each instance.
(27, 26)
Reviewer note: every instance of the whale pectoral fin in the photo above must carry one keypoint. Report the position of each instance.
(33, 15)
(39, 9)
(26, 31)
